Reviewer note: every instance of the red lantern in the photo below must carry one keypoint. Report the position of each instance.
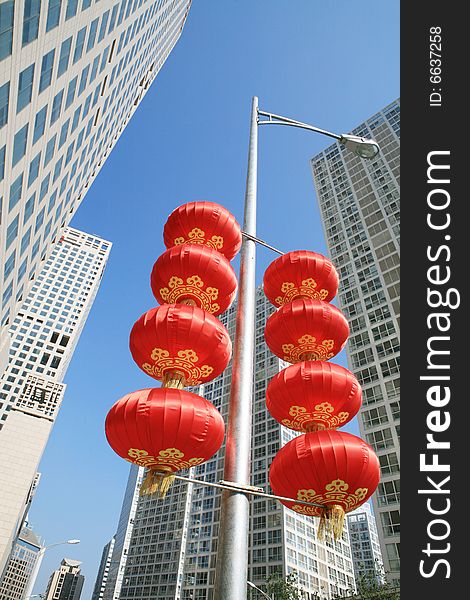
(333, 468)
(180, 345)
(196, 275)
(203, 223)
(311, 395)
(300, 274)
(306, 329)
(164, 430)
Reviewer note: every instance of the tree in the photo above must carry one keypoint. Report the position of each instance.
(369, 587)
(283, 588)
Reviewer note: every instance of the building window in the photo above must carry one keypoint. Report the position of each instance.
(34, 169)
(71, 9)
(39, 124)
(104, 22)
(7, 10)
(46, 70)
(92, 35)
(12, 232)
(71, 92)
(25, 88)
(79, 45)
(19, 144)
(2, 170)
(53, 14)
(4, 101)
(9, 265)
(32, 9)
(29, 208)
(56, 107)
(49, 150)
(16, 189)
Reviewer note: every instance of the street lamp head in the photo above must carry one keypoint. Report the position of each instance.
(360, 146)
(73, 541)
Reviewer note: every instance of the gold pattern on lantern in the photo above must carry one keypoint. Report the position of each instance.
(307, 344)
(307, 289)
(198, 236)
(185, 361)
(322, 417)
(194, 289)
(336, 492)
(170, 459)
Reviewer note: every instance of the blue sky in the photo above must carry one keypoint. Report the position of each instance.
(332, 64)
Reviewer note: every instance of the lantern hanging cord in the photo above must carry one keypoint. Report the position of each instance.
(247, 489)
(261, 242)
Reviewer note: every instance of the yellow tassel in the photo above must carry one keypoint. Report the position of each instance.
(156, 483)
(331, 522)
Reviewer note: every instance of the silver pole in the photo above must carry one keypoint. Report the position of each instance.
(232, 552)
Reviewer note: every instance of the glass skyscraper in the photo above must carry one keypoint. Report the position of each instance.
(172, 551)
(72, 73)
(359, 204)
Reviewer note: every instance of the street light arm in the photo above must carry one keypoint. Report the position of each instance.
(363, 147)
(255, 587)
(279, 120)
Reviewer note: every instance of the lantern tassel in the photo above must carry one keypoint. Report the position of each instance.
(331, 522)
(156, 483)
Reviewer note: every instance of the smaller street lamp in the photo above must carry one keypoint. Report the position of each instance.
(32, 577)
(260, 591)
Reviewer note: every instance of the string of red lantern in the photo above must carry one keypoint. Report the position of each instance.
(329, 467)
(180, 343)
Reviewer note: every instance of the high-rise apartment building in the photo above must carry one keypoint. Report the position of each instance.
(122, 537)
(172, 553)
(22, 566)
(44, 335)
(103, 571)
(72, 73)
(359, 204)
(66, 583)
(365, 546)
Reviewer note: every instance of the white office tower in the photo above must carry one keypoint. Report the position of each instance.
(122, 537)
(103, 571)
(44, 335)
(359, 204)
(22, 566)
(365, 546)
(72, 73)
(172, 554)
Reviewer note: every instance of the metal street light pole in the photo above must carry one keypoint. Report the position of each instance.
(232, 552)
(37, 566)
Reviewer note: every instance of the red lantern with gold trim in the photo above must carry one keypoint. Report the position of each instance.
(180, 345)
(196, 275)
(313, 395)
(333, 468)
(205, 223)
(164, 430)
(306, 329)
(300, 274)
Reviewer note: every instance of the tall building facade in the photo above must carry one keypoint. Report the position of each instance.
(22, 566)
(72, 73)
(66, 583)
(365, 546)
(44, 335)
(122, 537)
(359, 204)
(172, 553)
(103, 571)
